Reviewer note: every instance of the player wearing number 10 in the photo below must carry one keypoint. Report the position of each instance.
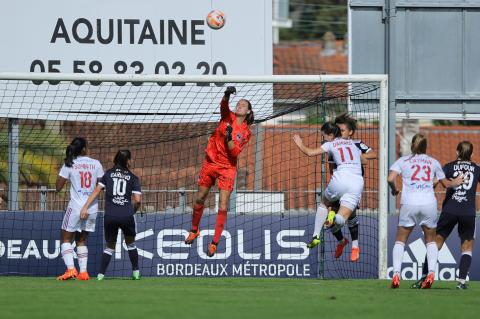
(122, 200)
(83, 173)
(418, 203)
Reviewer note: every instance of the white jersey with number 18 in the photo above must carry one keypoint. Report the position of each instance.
(83, 176)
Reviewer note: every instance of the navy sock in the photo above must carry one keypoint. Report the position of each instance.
(338, 234)
(133, 254)
(465, 262)
(425, 268)
(106, 256)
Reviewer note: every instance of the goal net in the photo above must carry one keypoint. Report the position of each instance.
(166, 123)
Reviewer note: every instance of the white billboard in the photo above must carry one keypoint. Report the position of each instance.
(134, 37)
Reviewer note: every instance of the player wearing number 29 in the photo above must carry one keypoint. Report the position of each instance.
(122, 200)
(418, 203)
(346, 184)
(224, 146)
(459, 209)
(83, 173)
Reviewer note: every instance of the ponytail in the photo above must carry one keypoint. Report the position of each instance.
(121, 158)
(74, 150)
(331, 128)
(465, 150)
(419, 144)
(250, 117)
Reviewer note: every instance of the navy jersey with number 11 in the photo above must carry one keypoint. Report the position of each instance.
(119, 184)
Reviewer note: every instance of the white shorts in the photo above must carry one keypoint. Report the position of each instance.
(72, 222)
(345, 187)
(411, 215)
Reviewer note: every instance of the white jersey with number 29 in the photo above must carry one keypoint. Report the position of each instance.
(418, 173)
(346, 155)
(83, 176)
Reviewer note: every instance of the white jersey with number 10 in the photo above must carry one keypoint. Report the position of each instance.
(83, 176)
(346, 155)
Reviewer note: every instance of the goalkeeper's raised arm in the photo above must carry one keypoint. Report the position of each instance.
(224, 146)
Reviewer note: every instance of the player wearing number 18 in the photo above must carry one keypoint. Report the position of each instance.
(83, 173)
(418, 203)
(122, 200)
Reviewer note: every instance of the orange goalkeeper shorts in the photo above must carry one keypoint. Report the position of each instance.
(210, 172)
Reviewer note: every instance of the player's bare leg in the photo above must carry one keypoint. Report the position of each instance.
(201, 196)
(398, 250)
(67, 255)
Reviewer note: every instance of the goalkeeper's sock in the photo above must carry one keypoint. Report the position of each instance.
(220, 223)
(353, 231)
(432, 256)
(82, 255)
(197, 216)
(465, 262)
(398, 250)
(106, 256)
(320, 217)
(67, 255)
(133, 255)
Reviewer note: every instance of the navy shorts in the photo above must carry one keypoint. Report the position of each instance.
(466, 226)
(111, 225)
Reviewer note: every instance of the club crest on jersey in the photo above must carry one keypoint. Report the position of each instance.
(239, 136)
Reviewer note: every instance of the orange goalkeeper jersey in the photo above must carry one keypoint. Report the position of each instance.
(217, 149)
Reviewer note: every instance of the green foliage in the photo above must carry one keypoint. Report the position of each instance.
(40, 155)
(312, 18)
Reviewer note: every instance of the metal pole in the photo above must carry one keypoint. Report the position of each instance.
(382, 183)
(259, 140)
(13, 166)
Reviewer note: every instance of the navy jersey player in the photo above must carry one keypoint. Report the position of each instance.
(459, 209)
(122, 200)
(348, 126)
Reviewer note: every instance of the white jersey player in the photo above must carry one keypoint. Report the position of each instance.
(418, 203)
(83, 173)
(346, 184)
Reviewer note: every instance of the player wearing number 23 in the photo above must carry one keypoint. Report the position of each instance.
(418, 203)
(83, 173)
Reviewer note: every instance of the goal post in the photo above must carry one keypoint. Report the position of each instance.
(152, 113)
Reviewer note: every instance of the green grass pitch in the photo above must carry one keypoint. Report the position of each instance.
(196, 298)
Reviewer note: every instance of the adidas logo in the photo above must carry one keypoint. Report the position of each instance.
(413, 259)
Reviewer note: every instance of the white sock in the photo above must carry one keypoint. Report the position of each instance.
(82, 255)
(432, 256)
(355, 243)
(320, 217)
(339, 220)
(398, 250)
(67, 254)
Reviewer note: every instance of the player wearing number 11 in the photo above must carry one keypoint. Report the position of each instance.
(83, 173)
(346, 184)
(418, 203)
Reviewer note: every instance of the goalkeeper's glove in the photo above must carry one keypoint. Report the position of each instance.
(228, 133)
(230, 90)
